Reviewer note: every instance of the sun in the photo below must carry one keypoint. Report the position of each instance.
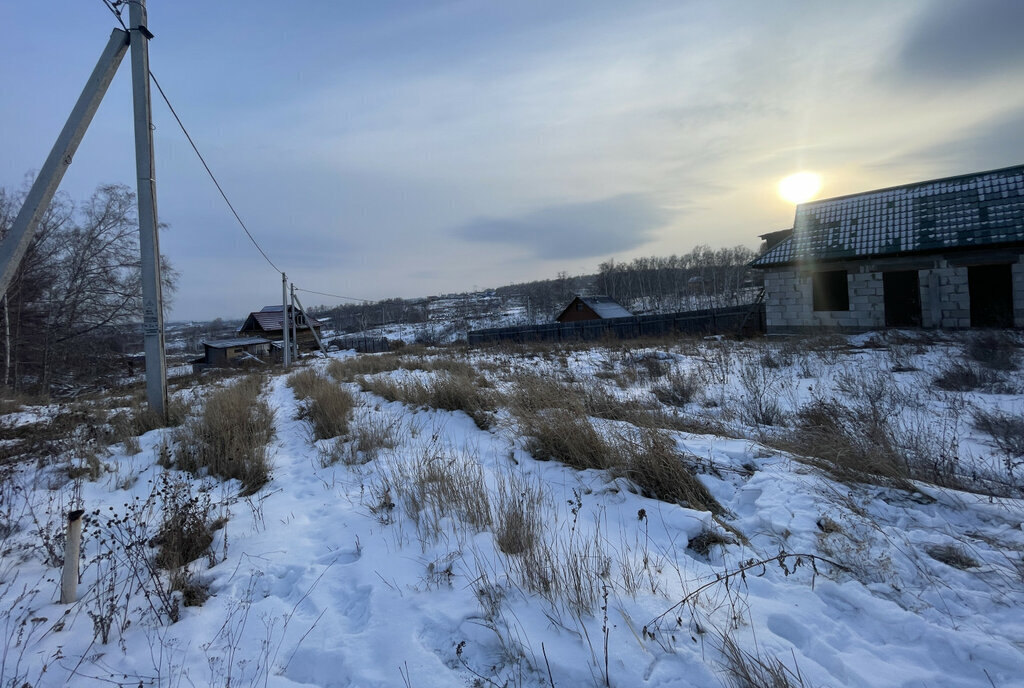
(800, 187)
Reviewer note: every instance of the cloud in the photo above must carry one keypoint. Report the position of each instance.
(964, 41)
(573, 230)
(988, 144)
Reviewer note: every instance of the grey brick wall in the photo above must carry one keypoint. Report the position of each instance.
(945, 296)
(945, 299)
(790, 306)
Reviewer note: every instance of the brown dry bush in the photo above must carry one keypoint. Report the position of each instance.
(677, 389)
(562, 435)
(368, 435)
(229, 437)
(462, 392)
(186, 530)
(651, 460)
(957, 376)
(518, 514)
(853, 444)
(572, 571)
(952, 555)
(992, 349)
(325, 405)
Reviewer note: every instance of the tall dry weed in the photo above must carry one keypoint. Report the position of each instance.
(229, 437)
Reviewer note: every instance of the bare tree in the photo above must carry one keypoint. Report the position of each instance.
(75, 303)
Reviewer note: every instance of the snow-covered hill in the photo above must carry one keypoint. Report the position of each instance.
(429, 547)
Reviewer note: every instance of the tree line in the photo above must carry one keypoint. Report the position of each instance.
(702, 278)
(72, 314)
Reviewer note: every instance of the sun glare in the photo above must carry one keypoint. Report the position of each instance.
(800, 187)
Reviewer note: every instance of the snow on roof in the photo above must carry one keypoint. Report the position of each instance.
(605, 306)
(236, 341)
(981, 209)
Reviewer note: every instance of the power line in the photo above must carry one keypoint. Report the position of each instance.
(333, 296)
(210, 172)
(113, 6)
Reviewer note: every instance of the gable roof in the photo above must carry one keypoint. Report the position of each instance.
(968, 211)
(269, 319)
(604, 306)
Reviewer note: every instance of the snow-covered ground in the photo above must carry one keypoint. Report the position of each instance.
(328, 577)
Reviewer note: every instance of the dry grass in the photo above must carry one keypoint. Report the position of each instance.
(228, 439)
(325, 404)
(348, 369)
(746, 670)
(368, 436)
(138, 420)
(677, 389)
(445, 391)
(851, 443)
(1007, 433)
(952, 555)
(555, 419)
(708, 539)
(651, 460)
(518, 514)
(992, 349)
(957, 376)
(562, 435)
(439, 488)
(572, 571)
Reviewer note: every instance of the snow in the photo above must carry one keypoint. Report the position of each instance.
(313, 585)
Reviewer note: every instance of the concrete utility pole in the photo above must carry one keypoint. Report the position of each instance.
(285, 348)
(13, 247)
(295, 329)
(311, 328)
(149, 241)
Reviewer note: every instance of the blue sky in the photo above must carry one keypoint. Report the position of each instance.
(413, 148)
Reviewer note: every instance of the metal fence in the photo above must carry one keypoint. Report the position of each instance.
(364, 345)
(747, 319)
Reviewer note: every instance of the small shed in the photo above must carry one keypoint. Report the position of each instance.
(593, 308)
(268, 323)
(222, 353)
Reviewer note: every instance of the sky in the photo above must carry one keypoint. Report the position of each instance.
(411, 148)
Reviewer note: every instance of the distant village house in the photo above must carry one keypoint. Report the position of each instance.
(223, 353)
(592, 308)
(269, 323)
(947, 253)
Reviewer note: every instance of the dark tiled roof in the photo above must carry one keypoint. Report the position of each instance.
(269, 319)
(982, 209)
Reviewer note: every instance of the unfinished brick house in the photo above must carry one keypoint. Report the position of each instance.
(946, 253)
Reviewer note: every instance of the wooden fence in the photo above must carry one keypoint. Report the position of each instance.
(747, 319)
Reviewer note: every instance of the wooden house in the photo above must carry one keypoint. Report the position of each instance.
(268, 323)
(223, 353)
(592, 308)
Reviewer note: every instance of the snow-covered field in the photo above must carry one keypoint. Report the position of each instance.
(343, 574)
